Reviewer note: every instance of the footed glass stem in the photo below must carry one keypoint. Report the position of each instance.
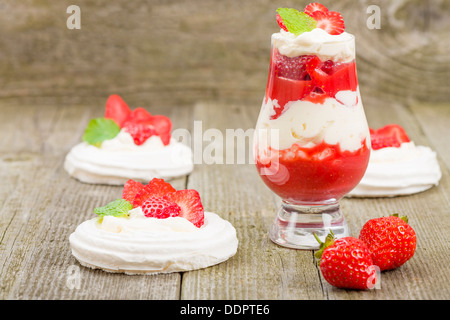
(295, 225)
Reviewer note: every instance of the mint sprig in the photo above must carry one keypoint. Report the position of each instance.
(118, 208)
(296, 22)
(99, 130)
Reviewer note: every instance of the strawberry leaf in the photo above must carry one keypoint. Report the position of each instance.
(296, 22)
(118, 208)
(99, 130)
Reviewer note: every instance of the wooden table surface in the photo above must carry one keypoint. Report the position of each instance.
(47, 100)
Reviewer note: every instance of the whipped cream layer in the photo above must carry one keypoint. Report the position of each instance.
(140, 245)
(120, 159)
(405, 170)
(339, 48)
(307, 124)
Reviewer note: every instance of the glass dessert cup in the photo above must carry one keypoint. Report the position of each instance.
(312, 142)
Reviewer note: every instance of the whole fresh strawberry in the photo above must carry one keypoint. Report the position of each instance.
(391, 240)
(346, 263)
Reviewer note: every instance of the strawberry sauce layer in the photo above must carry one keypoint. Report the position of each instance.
(312, 175)
(307, 78)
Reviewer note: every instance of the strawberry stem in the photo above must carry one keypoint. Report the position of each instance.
(329, 240)
(404, 218)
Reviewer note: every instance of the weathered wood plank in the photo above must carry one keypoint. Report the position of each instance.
(180, 52)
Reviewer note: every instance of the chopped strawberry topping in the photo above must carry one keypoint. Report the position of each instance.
(190, 204)
(155, 188)
(281, 23)
(163, 128)
(330, 21)
(130, 189)
(391, 135)
(313, 7)
(116, 109)
(160, 208)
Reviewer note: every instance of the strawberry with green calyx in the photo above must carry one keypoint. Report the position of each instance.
(346, 263)
(391, 240)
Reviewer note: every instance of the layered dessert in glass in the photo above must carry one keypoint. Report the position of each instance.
(312, 143)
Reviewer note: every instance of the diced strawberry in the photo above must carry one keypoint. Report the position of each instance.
(190, 204)
(130, 189)
(155, 188)
(294, 68)
(160, 208)
(332, 79)
(331, 21)
(391, 135)
(116, 109)
(140, 131)
(138, 115)
(313, 7)
(163, 127)
(281, 23)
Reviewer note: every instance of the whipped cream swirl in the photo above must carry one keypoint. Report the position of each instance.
(405, 170)
(120, 159)
(141, 245)
(339, 48)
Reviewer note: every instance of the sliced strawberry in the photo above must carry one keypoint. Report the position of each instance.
(281, 23)
(116, 109)
(130, 189)
(140, 131)
(391, 135)
(190, 204)
(163, 127)
(155, 188)
(138, 115)
(160, 208)
(331, 21)
(313, 7)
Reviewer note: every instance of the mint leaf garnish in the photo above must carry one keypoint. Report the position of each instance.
(296, 21)
(118, 208)
(99, 130)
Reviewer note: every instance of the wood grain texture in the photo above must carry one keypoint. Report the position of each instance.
(203, 61)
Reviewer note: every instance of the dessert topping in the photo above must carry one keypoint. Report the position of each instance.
(392, 135)
(139, 123)
(315, 15)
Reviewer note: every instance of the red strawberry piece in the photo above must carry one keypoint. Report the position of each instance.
(331, 21)
(346, 263)
(163, 127)
(155, 188)
(130, 189)
(313, 7)
(190, 204)
(391, 135)
(160, 208)
(281, 23)
(116, 109)
(391, 240)
(294, 68)
(140, 131)
(139, 115)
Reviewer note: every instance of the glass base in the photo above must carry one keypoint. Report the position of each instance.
(295, 225)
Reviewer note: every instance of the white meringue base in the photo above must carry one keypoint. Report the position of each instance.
(113, 166)
(392, 172)
(155, 250)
